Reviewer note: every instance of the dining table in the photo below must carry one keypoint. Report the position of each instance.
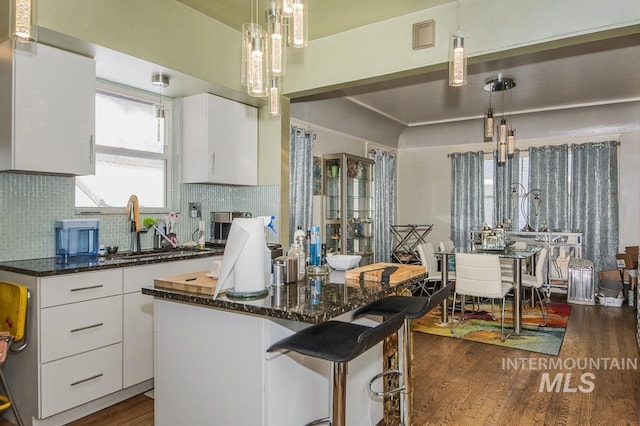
(517, 254)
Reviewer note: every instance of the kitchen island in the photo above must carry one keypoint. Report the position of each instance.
(212, 365)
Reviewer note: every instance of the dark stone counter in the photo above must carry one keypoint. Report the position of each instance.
(50, 266)
(313, 300)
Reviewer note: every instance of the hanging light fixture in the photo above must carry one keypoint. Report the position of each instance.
(22, 25)
(298, 24)
(506, 135)
(161, 81)
(264, 52)
(457, 57)
(488, 122)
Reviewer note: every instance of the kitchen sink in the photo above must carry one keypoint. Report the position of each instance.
(159, 253)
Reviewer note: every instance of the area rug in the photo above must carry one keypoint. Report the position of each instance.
(479, 327)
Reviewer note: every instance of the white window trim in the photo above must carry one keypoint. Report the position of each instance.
(152, 98)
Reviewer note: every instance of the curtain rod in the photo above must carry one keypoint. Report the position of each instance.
(616, 143)
(373, 151)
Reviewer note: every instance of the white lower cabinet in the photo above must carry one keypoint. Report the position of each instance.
(78, 379)
(90, 336)
(137, 351)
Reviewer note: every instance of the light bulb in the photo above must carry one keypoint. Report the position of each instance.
(502, 152)
(457, 62)
(502, 131)
(160, 118)
(287, 7)
(22, 28)
(511, 141)
(298, 27)
(256, 83)
(274, 100)
(276, 53)
(488, 124)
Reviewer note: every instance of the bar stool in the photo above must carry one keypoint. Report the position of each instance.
(414, 307)
(338, 342)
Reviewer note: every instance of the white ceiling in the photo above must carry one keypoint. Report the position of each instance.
(595, 73)
(592, 73)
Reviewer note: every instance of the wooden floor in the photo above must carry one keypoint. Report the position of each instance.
(464, 383)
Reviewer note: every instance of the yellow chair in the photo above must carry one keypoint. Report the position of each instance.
(13, 327)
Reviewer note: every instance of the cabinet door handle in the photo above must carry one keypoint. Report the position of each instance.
(75, 330)
(91, 287)
(96, 376)
(213, 163)
(91, 149)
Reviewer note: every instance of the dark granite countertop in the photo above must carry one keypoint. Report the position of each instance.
(50, 266)
(303, 301)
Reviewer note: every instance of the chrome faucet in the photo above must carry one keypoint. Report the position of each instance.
(133, 209)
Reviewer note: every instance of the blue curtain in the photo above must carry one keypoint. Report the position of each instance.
(467, 195)
(549, 172)
(384, 201)
(504, 207)
(300, 179)
(595, 201)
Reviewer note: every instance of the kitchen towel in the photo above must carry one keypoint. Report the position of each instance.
(243, 262)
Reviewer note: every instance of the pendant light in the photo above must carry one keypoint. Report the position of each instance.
(298, 24)
(22, 25)
(488, 122)
(264, 52)
(161, 81)
(506, 135)
(457, 57)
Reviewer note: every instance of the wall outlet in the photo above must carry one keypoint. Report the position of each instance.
(195, 210)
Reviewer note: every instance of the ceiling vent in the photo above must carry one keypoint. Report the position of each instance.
(424, 34)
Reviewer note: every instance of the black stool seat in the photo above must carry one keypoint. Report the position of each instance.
(339, 341)
(414, 307)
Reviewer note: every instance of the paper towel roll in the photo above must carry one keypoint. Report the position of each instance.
(244, 255)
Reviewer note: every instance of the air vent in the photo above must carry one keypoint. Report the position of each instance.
(424, 34)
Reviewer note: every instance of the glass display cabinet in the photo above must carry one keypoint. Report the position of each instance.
(348, 205)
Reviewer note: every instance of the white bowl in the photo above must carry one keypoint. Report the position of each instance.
(342, 262)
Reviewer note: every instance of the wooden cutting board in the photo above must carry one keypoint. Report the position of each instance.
(374, 271)
(194, 282)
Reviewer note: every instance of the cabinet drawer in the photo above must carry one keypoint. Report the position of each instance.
(71, 288)
(73, 381)
(79, 327)
(136, 277)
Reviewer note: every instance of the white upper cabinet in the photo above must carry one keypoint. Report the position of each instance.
(47, 111)
(220, 141)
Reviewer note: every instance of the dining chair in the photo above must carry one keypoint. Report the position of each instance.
(479, 275)
(429, 261)
(14, 301)
(446, 245)
(536, 281)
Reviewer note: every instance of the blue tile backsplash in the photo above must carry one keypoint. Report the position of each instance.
(30, 204)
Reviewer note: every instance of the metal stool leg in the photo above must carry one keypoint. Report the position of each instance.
(338, 410)
(406, 355)
(10, 397)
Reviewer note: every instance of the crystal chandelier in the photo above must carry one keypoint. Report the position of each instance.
(506, 140)
(264, 51)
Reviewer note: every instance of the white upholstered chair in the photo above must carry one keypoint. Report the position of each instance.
(535, 282)
(479, 275)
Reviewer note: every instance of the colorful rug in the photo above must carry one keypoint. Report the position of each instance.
(479, 327)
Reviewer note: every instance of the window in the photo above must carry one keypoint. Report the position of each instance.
(489, 190)
(132, 151)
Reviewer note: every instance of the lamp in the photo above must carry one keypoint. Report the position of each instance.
(22, 25)
(524, 205)
(161, 81)
(263, 52)
(506, 135)
(457, 57)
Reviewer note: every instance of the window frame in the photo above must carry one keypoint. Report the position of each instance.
(145, 97)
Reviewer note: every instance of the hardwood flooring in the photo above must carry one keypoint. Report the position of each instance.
(464, 383)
